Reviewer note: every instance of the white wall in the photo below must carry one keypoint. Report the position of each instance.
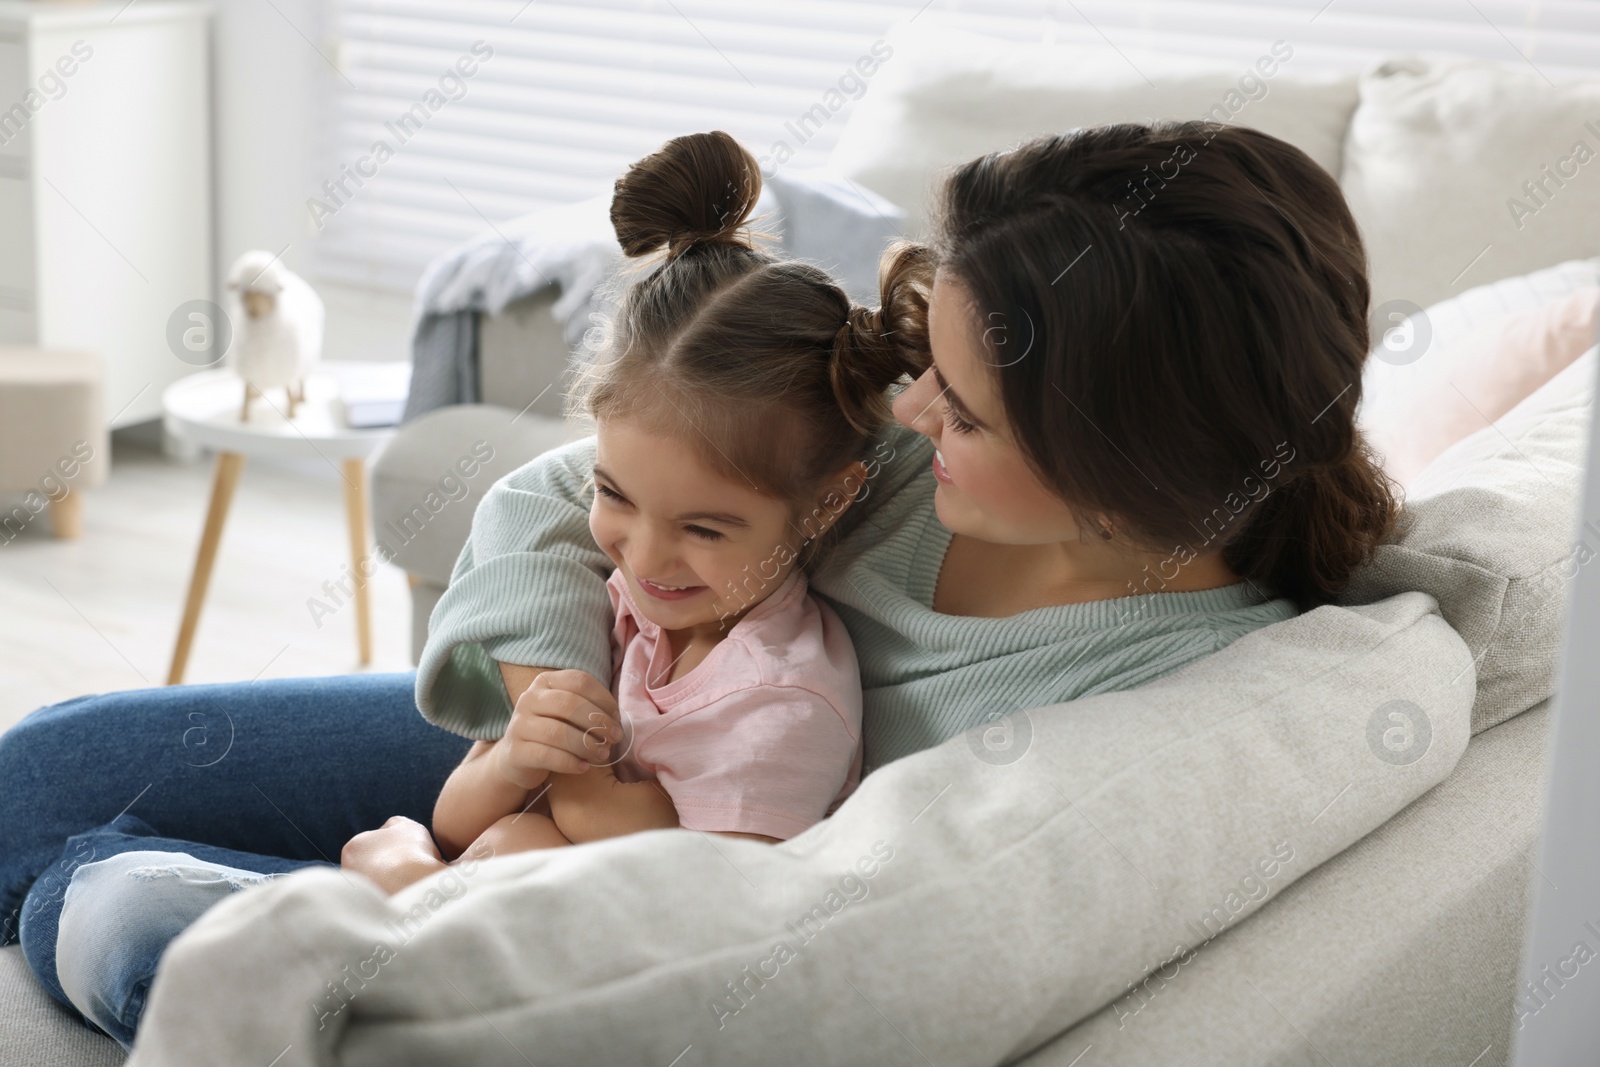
(272, 90)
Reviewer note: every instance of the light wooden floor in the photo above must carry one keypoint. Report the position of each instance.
(101, 613)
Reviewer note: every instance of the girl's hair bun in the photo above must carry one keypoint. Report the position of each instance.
(698, 189)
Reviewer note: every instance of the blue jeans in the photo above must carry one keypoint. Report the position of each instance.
(233, 781)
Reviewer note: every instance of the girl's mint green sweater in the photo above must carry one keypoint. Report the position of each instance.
(529, 588)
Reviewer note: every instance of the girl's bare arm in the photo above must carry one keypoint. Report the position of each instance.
(595, 805)
(476, 794)
(560, 718)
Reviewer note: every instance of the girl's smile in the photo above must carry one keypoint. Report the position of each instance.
(670, 592)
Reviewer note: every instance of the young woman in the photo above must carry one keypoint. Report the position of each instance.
(1133, 441)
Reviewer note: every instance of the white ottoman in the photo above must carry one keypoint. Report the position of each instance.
(53, 437)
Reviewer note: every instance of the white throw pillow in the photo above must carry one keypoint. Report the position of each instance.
(1435, 169)
(946, 96)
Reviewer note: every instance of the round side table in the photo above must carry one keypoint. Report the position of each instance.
(203, 409)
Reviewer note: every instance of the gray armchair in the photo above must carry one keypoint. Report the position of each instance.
(422, 498)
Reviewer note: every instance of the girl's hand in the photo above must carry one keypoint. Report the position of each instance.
(561, 722)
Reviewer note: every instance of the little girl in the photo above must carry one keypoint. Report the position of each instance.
(734, 401)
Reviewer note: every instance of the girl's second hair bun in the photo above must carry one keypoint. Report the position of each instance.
(696, 189)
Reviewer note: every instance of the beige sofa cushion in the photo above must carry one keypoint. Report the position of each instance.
(35, 1031)
(1491, 531)
(1435, 168)
(1401, 951)
(1493, 520)
(947, 95)
(1022, 894)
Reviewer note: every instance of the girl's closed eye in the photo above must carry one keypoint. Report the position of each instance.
(702, 532)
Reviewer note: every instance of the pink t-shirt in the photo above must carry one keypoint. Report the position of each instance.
(764, 736)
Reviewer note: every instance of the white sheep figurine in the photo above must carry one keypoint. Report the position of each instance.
(277, 328)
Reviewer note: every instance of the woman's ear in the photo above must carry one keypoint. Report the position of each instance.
(835, 498)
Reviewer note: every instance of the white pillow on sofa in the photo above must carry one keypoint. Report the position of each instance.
(947, 95)
(1435, 165)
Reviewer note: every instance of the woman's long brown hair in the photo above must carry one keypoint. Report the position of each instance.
(1176, 315)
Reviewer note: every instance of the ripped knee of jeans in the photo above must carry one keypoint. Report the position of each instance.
(118, 917)
(195, 873)
(138, 881)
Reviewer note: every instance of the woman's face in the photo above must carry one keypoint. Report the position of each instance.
(986, 488)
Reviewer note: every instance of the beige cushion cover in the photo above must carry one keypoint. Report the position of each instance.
(35, 1031)
(1492, 533)
(1402, 951)
(1023, 895)
(1436, 159)
(948, 95)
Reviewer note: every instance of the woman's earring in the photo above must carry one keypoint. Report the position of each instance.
(1105, 533)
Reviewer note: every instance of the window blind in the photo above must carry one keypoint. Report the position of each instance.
(563, 94)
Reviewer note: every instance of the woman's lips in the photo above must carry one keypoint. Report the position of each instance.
(939, 470)
(661, 592)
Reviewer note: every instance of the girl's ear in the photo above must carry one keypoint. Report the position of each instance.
(835, 498)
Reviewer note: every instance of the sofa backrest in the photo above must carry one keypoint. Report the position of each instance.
(1459, 171)
(946, 96)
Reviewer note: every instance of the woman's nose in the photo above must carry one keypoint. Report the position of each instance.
(916, 406)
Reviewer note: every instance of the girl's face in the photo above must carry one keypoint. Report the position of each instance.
(696, 548)
(986, 490)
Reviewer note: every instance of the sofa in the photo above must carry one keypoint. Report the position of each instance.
(1404, 946)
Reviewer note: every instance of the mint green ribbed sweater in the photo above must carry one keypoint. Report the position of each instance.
(529, 588)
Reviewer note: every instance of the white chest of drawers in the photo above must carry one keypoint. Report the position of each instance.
(105, 184)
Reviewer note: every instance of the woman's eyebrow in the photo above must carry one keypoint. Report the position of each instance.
(954, 400)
